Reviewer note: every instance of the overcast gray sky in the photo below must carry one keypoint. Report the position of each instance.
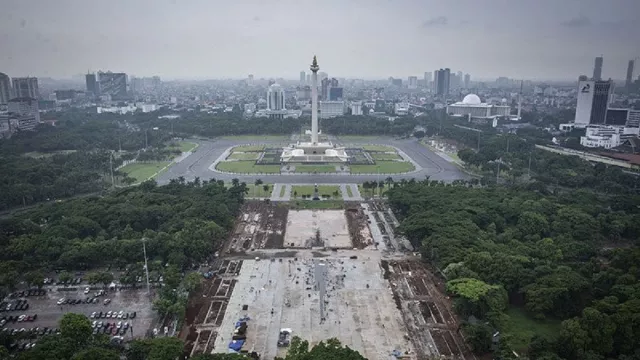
(538, 39)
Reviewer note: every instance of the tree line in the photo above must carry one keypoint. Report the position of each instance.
(570, 256)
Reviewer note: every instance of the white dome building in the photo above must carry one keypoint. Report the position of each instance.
(275, 97)
(472, 106)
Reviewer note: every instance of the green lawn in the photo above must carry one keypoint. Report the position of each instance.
(259, 191)
(349, 191)
(385, 167)
(247, 167)
(283, 189)
(257, 137)
(243, 156)
(247, 148)
(322, 190)
(143, 171)
(186, 146)
(318, 204)
(521, 328)
(378, 148)
(315, 168)
(370, 192)
(385, 156)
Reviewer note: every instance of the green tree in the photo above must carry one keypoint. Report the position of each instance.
(76, 327)
(35, 277)
(65, 277)
(192, 281)
(96, 353)
(331, 349)
(479, 337)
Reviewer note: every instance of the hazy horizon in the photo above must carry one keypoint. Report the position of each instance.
(205, 39)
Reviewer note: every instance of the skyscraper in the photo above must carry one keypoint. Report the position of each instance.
(593, 100)
(92, 84)
(467, 81)
(26, 87)
(629, 73)
(303, 77)
(597, 68)
(113, 84)
(413, 82)
(5, 88)
(427, 78)
(441, 81)
(275, 97)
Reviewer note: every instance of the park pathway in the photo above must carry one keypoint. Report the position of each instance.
(355, 194)
(277, 189)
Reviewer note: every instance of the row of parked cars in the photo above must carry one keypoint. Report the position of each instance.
(112, 315)
(31, 332)
(27, 293)
(74, 281)
(112, 328)
(14, 305)
(16, 318)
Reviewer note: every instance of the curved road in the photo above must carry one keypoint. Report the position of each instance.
(208, 151)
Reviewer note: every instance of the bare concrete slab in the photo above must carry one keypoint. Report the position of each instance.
(358, 306)
(317, 228)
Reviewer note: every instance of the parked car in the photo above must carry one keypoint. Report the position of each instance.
(107, 301)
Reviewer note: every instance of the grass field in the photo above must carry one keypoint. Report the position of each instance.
(283, 189)
(521, 328)
(349, 191)
(247, 167)
(311, 204)
(385, 167)
(258, 191)
(385, 156)
(370, 192)
(243, 156)
(257, 137)
(247, 148)
(378, 148)
(186, 146)
(322, 190)
(315, 168)
(143, 171)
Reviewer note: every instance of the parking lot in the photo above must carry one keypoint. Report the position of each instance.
(48, 309)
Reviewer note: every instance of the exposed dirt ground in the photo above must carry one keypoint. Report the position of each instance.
(261, 225)
(426, 310)
(358, 229)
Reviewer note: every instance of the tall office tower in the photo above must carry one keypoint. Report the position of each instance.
(441, 81)
(275, 97)
(335, 94)
(308, 78)
(467, 81)
(597, 68)
(92, 84)
(5, 88)
(325, 84)
(629, 73)
(26, 87)
(303, 77)
(113, 84)
(413, 82)
(593, 100)
(427, 78)
(460, 77)
(250, 80)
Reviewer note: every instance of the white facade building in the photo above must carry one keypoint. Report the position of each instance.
(331, 109)
(602, 136)
(356, 108)
(472, 106)
(401, 109)
(25, 111)
(275, 97)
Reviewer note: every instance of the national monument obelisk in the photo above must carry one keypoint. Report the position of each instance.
(314, 100)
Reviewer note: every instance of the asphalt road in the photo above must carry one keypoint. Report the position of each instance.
(198, 165)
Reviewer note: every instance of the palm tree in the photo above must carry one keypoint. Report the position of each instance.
(257, 183)
(389, 181)
(265, 187)
(235, 182)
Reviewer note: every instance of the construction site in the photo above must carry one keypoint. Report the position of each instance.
(318, 274)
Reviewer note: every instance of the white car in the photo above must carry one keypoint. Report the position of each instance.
(94, 323)
(86, 290)
(119, 325)
(21, 318)
(120, 314)
(109, 314)
(61, 301)
(93, 314)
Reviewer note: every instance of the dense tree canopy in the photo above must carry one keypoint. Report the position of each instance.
(571, 256)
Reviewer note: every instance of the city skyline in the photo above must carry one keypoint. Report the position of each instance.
(66, 37)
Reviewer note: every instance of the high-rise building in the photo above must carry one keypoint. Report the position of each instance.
(323, 75)
(250, 80)
(460, 78)
(303, 77)
(593, 100)
(441, 81)
(467, 81)
(92, 84)
(427, 78)
(335, 94)
(413, 82)
(5, 88)
(275, 97)
(629, 79)
(324, 88)
(24, 110)
(26, 87)
(113, 84)
(308, 78)
(597, 68)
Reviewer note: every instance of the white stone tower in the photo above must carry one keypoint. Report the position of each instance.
(314, 100)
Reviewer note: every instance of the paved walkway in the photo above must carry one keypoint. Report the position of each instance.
(277, 189)
(355, 193)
